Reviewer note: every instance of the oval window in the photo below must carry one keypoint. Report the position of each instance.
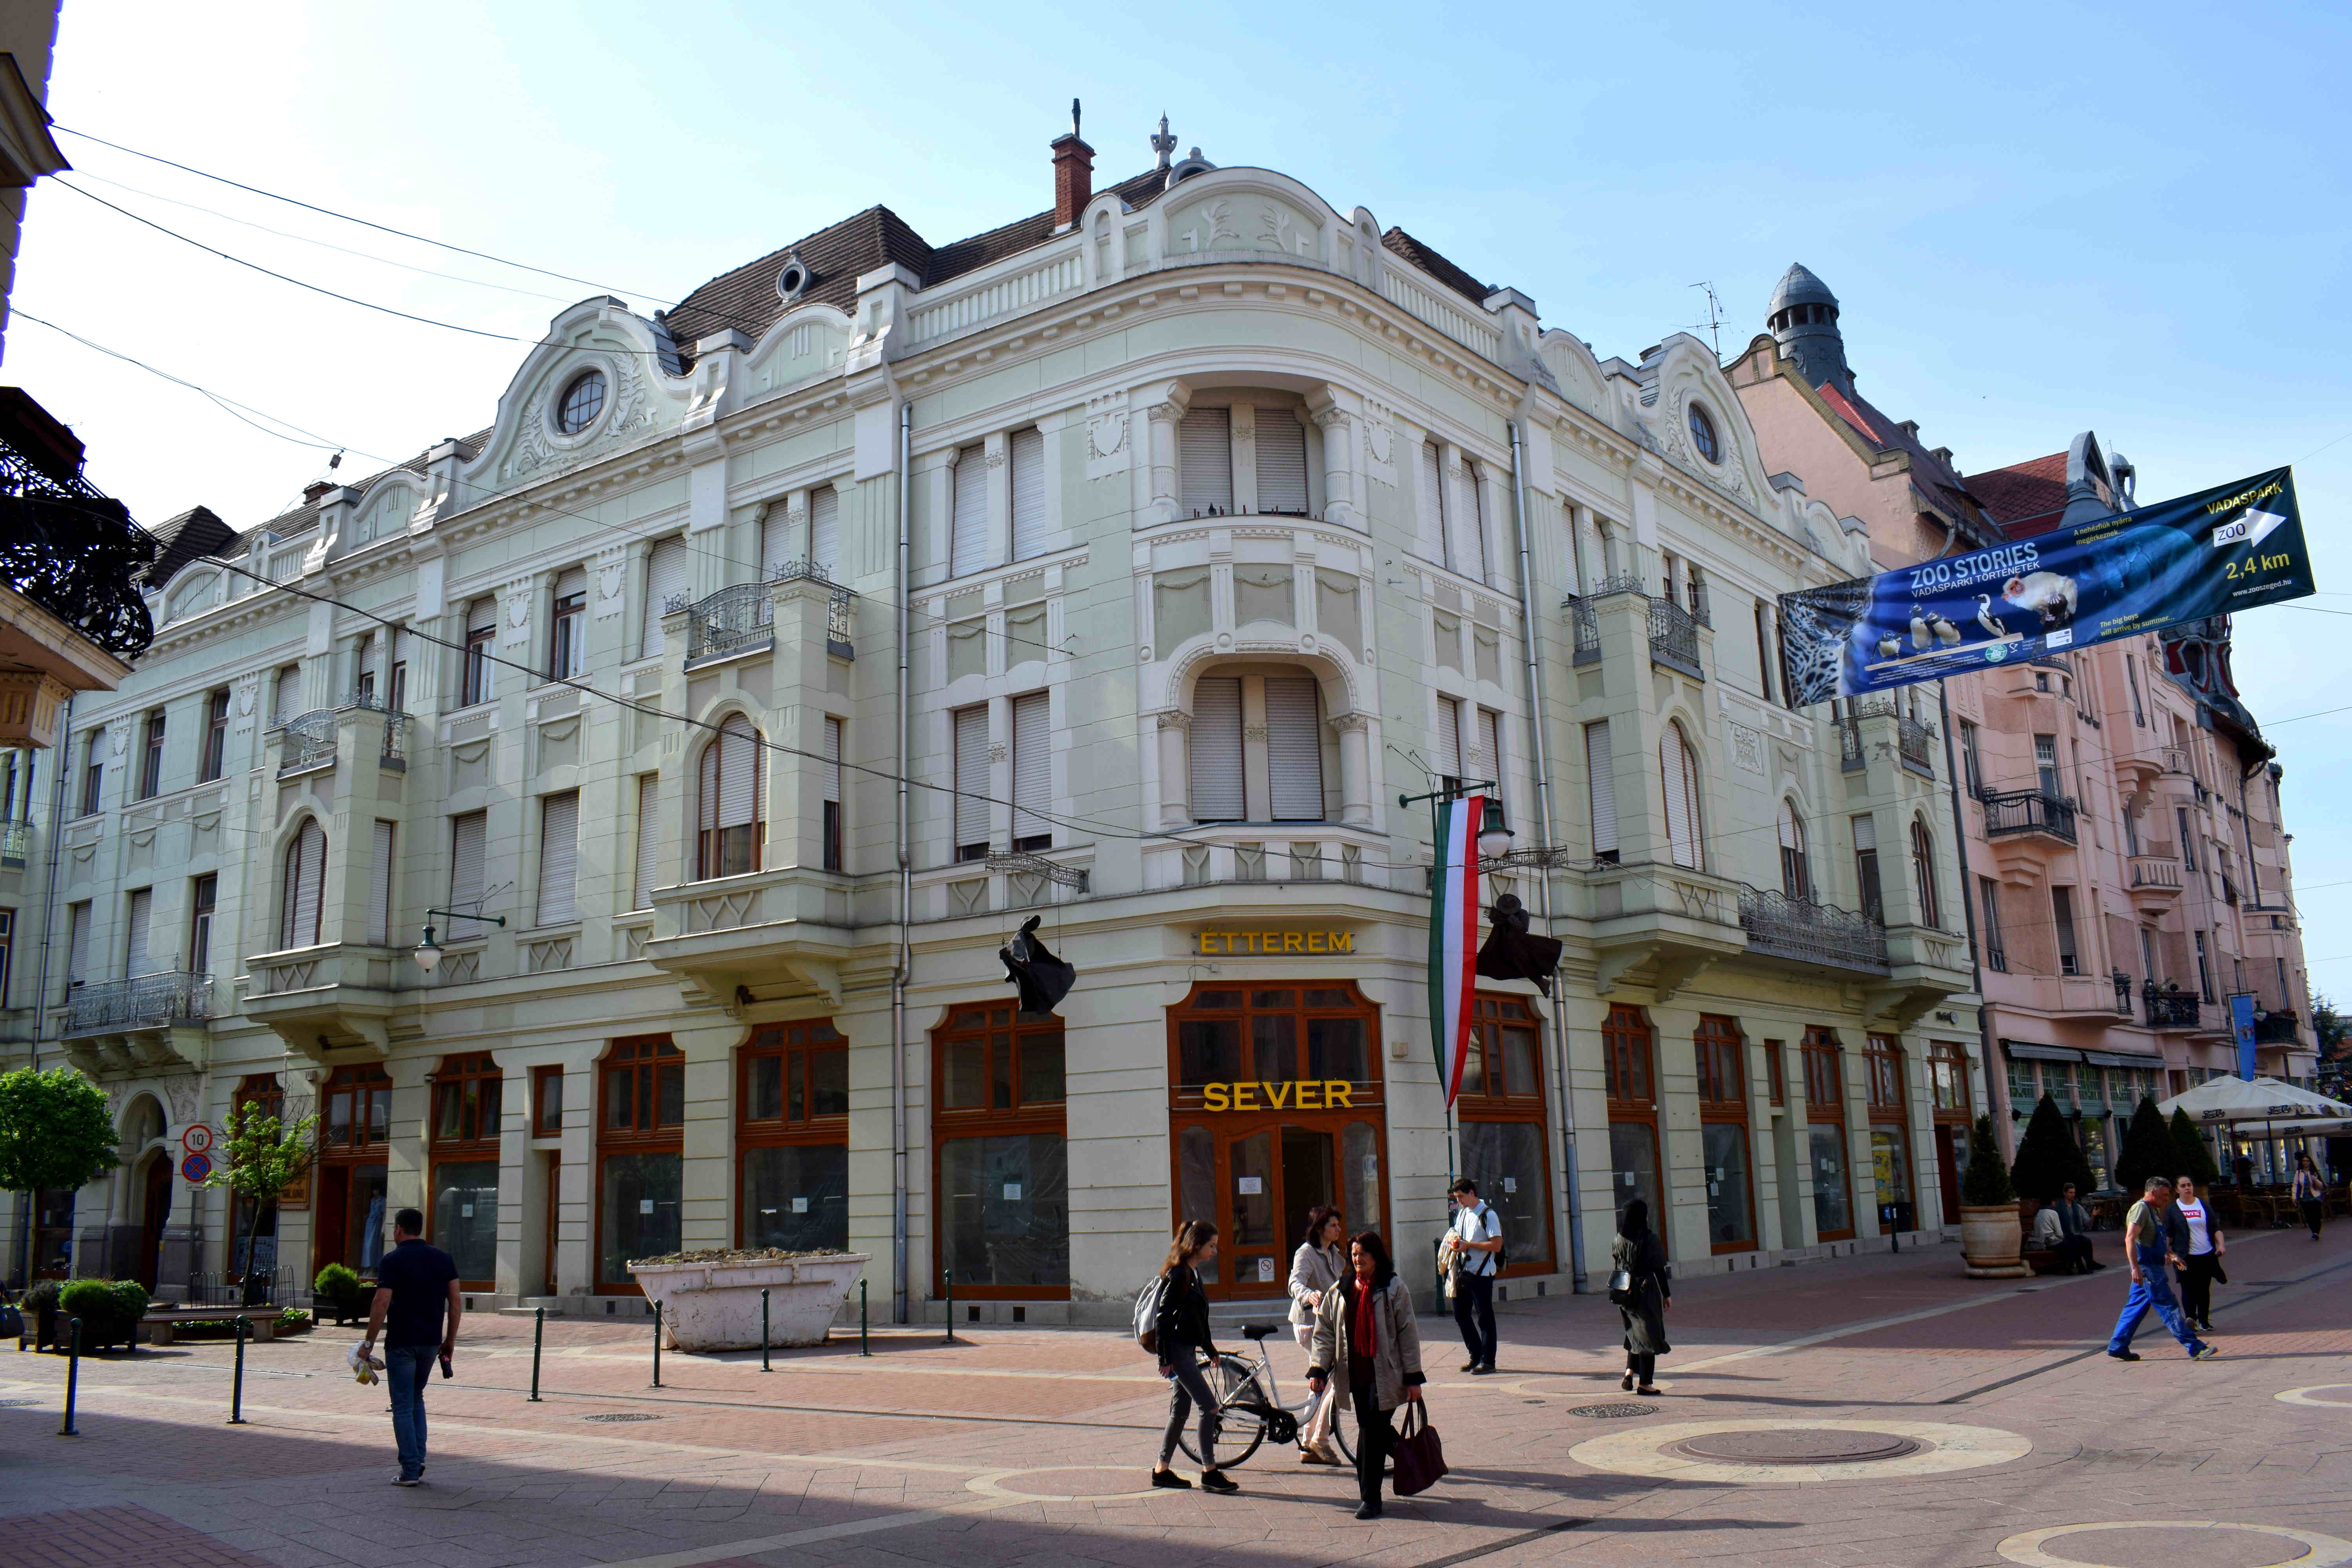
(1702, 429)
(582, 401)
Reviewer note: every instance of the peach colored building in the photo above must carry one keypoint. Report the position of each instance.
(2119, 806)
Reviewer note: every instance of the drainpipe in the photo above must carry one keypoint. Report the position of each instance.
(1996, 1079)
(1543, 797)
(49, 921)
(906, 911)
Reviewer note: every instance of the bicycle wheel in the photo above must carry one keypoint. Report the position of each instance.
(1240, 1429)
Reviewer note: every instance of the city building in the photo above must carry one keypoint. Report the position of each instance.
(615, 849)
(2120, 824)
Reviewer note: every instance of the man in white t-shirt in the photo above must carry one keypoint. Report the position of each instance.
(1478, 1247)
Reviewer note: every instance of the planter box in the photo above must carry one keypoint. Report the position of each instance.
(1989, 1242)
(715, 1306)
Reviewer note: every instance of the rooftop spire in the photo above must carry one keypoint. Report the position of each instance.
(1163, 143)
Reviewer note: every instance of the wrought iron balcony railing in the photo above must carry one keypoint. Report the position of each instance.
(1850, 754)
(396, 726)
(2276, 1028)
(15, 844)
(1674, 637)
(1586, 627)
(309, 741)
(64, 543)
(1815, 933)
(2170, 1009)
(840, 620)
(2029, 811)
(147, 1002)
(1912, 738)
(730, 621)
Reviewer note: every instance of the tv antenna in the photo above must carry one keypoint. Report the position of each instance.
(1714, 323)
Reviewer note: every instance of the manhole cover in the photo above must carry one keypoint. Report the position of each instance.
(1612, 1412)
(16, 1404)
(625, 1416)
(1795, 1446)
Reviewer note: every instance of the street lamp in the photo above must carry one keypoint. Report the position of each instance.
(428, 952)
(1494, 832)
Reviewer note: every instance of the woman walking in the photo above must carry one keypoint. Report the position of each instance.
(1365, 1331)
(1314, 1268)
(1181, 1331)
(1649, 1293)
(2197, 1240)
(2309, 1192)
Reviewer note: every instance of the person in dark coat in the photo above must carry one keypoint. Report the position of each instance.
(1639, 1253)
(1181, 1331)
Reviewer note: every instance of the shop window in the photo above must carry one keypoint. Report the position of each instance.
(1504, 1139)
(1825, 1135)
(262, 1092)
(1890, 1139)
(728, 844)
(1629, 1057)
(792, 1134)
(1275, 1109)
(464, 1213)
(1002, 1162)
(1947, 1074)
(640, 1157)
(354, 1140)
(1721, 1051)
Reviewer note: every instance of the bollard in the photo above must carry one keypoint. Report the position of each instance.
(237, 1383)
(862, 1347)
(73, 1376)
(538, 1337)
(763, 1331)
(657, 1315)
(950, 1276)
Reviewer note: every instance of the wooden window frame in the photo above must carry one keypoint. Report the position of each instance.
(1883, 1066)
(1020, 1118)
(543, 1079)
(1629, 1051)
(710, 847)
(645, 1056)
(1948, 1059)
(798, 1045)
(472, 1144)
(362, 1087)
(1823, 1057)
(1721, 1052)
(1776, 1071)
(1491, 1012)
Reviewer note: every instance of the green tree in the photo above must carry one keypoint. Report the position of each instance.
(265, 1156)
(2192, 1152)
(2148, 1149)
(2048, 1157)
(54, 1133)
(1986, 1183)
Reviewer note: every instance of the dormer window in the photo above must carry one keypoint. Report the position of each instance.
(793, 280)
(1702, 432)
(581, 402)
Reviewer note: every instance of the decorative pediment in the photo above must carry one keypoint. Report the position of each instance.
(640, 392)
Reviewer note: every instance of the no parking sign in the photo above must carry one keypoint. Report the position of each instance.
(196, 1168)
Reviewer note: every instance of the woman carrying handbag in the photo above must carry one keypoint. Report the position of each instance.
(1366, 1331)
(1643, 1292)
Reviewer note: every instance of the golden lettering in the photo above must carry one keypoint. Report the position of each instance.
(1339, 1094)
(1310, 1096)
(1315, 942)
(1278, 1095)
(1245, 1097)
(1269, 942)
(1292, 943)
(1343, 941)
(1215, 1097)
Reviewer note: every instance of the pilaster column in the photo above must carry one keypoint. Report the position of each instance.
(1175, 768)
(1355, 769)
(1163, 416)
(1000, 500)
(1339, 427)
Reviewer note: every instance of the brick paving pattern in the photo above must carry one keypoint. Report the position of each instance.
(1028, 1447)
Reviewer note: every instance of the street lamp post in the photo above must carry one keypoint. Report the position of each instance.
(1494, 840)
(428, 952)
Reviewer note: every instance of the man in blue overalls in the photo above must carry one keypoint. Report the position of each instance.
(2146, 1248)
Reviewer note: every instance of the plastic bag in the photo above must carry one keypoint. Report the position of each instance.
(364, 1367)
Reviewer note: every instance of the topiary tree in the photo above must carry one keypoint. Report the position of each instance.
(109, 1311)
(55, 1131)
(265, 1158)
(1985, 1183)
(2048, 1157)
(2193, 1154)
(2148, 1149)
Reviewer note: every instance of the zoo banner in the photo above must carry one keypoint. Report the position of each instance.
(2213, 554)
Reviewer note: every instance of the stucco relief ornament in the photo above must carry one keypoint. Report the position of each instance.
(248, 694)
(1747, 748)
(533, 449)
(118, 740)
(1277, 227)
(635, 409)
(1106, 432)
(612, 582)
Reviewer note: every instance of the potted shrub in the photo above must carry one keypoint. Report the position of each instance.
(1991, 1239)
(109, 1311)
(336, 1290)
(39, 1306)
(710, 1300)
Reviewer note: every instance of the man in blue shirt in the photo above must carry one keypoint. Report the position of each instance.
(416, 1308)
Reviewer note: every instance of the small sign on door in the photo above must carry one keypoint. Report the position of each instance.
(1012, 1191)
(1251, 1186)
(800, 1205)
(1265, 1270)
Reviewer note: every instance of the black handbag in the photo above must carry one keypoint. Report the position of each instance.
(1621, 1288)
(1420, 1457)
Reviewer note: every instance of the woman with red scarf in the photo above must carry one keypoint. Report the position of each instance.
(1366, 1328)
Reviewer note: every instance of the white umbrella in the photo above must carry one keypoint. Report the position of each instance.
(2227, 1099)
(2312, 1100)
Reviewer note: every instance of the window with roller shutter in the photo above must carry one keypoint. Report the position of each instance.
(286, 696)
(1679, 769)
(649, 838)
(468, 844)
(829, 781)
(568, 642)
(825, 531)
(1433, 530)
(1028, 493)
(1205, 461)
(142, 909)
(379, 905)
(1600, 785)
(559, 858)
(77, 943)
(1489, 761)
(304, 888)
(1470, 557)
(1281, 461)
(1033, 772)
(968, 527)
(728, 843)
(972, 784)
(1293, 747)
(1448, 761)
(1216, 789)
(666, 568)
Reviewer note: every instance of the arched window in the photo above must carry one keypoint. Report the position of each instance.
(303, 889)
(1679, 768)
(1796, 870)
(1923, 872)
(729, 842)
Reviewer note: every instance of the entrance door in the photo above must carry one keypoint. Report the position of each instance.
(351, 1216)
(1951, 1153)
(554, 1185)
(1258, 1184)
(155, 1212)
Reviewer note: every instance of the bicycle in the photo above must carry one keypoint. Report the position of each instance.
(1249, 1405)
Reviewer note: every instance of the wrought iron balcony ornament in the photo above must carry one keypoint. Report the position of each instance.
(1816, 933)
(730, 621)
(147, 1002)
(1674, 637)
(1023, 863)
(72, 550)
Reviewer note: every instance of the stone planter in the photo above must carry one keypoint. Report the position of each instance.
(714, 1305)
(1990, 1242)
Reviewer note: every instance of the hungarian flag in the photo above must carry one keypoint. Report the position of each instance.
(1453, 936)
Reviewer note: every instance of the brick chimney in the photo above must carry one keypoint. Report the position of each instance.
(313, 491)
(1074, 179)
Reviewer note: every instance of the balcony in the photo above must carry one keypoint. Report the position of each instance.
(2027, 810)
(2155, 878)
(769, 935)
(1673, 638)
(1587, 629)
(151, 1021)
(732, 621)
(1781, 927)
(1850, 757)
(15, 844)
(393, 757)
(1676, 922)
(332, 1002)
(70, 560)
(1912, 740)
(841, 618)
(2170, 1009)
(309, 743)
(2276, 1028)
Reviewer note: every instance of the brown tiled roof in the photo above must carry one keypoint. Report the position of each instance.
(195, 533)
(302, 519)
(2025, 498)
(1436, 266)
(1932, 478)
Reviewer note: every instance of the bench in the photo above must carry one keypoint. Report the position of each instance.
(158, 1322)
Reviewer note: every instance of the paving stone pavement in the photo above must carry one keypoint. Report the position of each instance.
(1028, 1447)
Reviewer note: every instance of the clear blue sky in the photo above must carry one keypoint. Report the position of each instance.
(2039, 218)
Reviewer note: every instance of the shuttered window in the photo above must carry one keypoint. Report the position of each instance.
(379, 906)
(1432, 503)
(972, 784)
(829, 781)
(559, 858)
(77, 943)
(968, 535)
(482, 633)
(1600, 783)
(1033, 772)
(1448, 761)
(568, 641)
(1490, 746)
(729, 843)
(1796, 872)
(1281, 461)
(142, 908)
(648, 839)
(1680, 770)
(469, 843)
(397, 689)
(1028, 493)
(664, 578)
(286, 697)
(824, 532)
(1217, 774)
(1204, 460)
(778, 548)
(304, 888)
(1293, 747)
(1471, 557)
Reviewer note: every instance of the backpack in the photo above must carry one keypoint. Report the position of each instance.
(1147, 1314)
(1494, 1227)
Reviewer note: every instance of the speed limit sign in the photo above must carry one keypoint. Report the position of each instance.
(197, 1139)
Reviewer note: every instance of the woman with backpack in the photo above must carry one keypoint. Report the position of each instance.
(1180, 1338)
(1366, 1328)
(1644, 1291)
(1314, 1268)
